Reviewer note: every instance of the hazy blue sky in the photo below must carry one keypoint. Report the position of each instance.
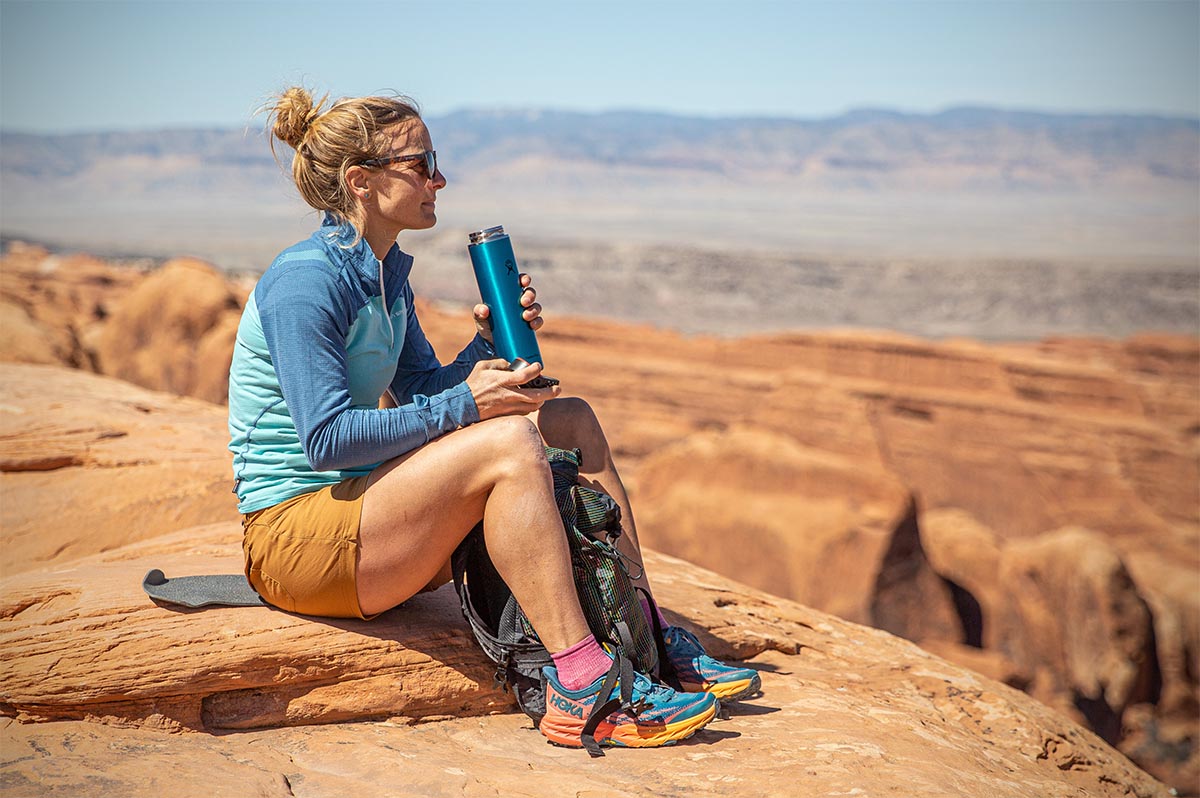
(104, 65)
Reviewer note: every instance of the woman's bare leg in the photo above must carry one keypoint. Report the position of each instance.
(570, 423)
(419, 507)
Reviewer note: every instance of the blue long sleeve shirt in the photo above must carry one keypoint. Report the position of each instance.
(320, 339)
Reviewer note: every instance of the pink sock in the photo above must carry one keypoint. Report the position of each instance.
(649, 617)
(581, 664)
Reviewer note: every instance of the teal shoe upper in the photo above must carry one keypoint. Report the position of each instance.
(694, 667)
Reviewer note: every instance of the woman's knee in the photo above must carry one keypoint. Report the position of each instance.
(514, 443)
(567, 421)
(569, 409)
(572, 424)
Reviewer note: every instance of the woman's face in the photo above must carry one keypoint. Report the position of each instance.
(401, 196)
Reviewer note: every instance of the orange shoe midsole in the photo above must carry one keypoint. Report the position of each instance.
(629, 734)
(719, 689)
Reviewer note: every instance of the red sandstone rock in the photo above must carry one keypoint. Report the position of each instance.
(1071, 623)
(1025, 437)
(156, 335)
(1172, 591)
(210, 378)
(84, 642)
(844, 708)
(798, 522)
(89, 464)
(27, 341)
(1076, 616)
(61, 299)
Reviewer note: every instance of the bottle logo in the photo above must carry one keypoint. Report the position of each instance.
(508, 264)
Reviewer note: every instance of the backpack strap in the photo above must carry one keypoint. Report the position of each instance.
(605, 705)
(498, 624)
(666, 671)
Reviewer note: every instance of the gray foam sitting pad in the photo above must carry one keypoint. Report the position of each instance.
(228, 590)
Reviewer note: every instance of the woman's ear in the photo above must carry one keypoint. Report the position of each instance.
(358, 180)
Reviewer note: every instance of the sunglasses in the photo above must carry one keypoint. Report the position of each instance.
(428, 159)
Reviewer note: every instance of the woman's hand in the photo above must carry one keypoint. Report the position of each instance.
(531, 314)
(494, 388)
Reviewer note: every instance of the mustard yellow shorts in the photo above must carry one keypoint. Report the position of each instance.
(302, 554)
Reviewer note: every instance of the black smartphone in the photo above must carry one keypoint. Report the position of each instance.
(540, 381)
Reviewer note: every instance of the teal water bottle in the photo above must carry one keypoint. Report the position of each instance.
(500, 289)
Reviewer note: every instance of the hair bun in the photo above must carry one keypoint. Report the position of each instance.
(294, 113)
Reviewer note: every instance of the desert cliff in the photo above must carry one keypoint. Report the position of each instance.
(1029, 512)
(95, 677)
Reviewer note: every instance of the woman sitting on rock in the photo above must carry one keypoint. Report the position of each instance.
(350, 509)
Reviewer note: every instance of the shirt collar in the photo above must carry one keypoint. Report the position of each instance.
(360, 257)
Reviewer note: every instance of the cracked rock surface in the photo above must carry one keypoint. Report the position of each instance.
(845, 710)
(106, 693)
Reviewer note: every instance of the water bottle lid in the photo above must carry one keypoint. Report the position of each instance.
(487, 234)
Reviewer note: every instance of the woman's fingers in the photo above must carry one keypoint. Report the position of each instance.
(483, 325)
(527, 372)
(496, 389)
(533, 309)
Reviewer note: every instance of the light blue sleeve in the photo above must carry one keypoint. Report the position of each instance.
(420, 373)
(306, 313)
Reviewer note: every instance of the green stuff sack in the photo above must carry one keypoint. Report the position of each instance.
(602, 579)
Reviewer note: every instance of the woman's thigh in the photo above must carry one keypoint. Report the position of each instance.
(418, 507)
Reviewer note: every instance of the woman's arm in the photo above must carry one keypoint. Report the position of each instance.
(306, 316)
(419, 372)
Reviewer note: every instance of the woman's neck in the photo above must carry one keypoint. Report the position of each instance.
(381, 242)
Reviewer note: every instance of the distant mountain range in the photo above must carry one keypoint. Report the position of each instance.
(970, 147)
(1036, 146)
(963, 185)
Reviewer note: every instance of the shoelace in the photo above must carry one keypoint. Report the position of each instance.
(643, 688)
(646, 691)
(641, 696)
(684, 636)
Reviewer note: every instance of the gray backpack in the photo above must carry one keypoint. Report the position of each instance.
(592, 521)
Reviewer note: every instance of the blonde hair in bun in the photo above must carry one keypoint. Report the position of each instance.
(329, 141)
(293, 114)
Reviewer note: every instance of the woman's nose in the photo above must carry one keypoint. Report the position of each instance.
(438, 179)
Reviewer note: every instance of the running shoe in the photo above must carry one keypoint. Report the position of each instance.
(663, 717)
(698, 672)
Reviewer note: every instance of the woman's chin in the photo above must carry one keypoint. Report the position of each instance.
(421, 224)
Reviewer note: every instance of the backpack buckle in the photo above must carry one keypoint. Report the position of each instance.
(637, 707)
(500, 677)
